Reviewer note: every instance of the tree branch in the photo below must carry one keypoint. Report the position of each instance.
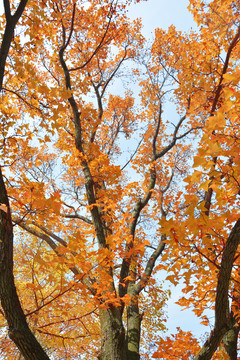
(7, 10)
(53, 246)
(150, 265)
(77, 216)
(95, 211)
(11, 22)
(99, 45)
(209, 192)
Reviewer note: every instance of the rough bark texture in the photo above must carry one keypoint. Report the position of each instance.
(230, 339)
(112, 335)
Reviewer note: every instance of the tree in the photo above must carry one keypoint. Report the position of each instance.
(89, 235)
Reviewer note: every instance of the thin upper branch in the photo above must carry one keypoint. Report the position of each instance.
(175, 137)
(77, 216)
(99, 45)
(150, 265)
(224, 71)
(157, 130)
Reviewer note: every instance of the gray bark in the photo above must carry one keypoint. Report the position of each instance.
(230, 339)
(133, 325)
(112, 335)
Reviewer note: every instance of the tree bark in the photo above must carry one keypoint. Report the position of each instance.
(230, 339)
(133, 326)
(19, 330)
(112, 335)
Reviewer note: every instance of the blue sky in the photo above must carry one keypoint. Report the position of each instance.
(162, 13)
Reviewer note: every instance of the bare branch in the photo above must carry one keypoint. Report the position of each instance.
(157, 130)
(77, 216)
(132, 156)
(174, 139)
(150, 265)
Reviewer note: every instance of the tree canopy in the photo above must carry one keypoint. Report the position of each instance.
(105, 191)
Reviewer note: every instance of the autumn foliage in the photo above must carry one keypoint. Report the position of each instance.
(107, 187)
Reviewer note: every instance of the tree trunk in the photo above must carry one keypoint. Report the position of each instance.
(133, 326)
(19, 331)
(112, 335)
(230, 339)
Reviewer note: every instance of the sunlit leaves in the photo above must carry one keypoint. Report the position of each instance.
(100, 179)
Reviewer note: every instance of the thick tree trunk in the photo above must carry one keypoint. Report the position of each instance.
(133, 326)
(19, 331)
(112, 335)
(230, 339)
